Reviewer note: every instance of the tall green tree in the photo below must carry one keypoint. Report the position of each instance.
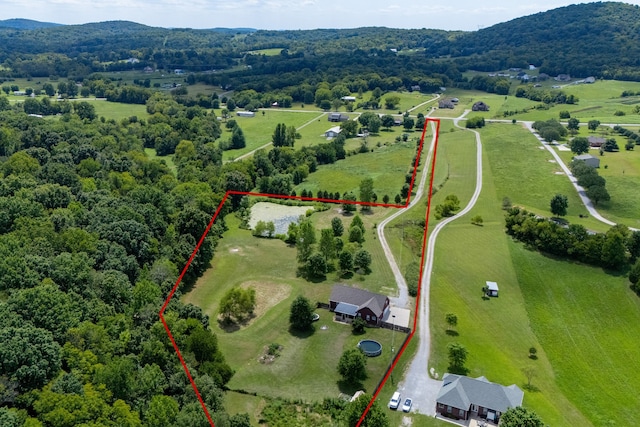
(337, 226)
(457, 358)
(352, 366)
(579, 145)
(376, 417)
(520, 417)
(238, 303)
(559, 205)
(300, 314)
(28, 356)
(305, 239)
(237, 138)
(366, 192)
(327, 246)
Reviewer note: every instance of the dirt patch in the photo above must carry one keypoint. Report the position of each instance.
(268, 294)
(407, 421)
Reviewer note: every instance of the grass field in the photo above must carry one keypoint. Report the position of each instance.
(258, 130)
(151, 153)
(588, 322)
(386, 165)
(267, 52)
(527, 174)
(622, 172)
(309, 362)
(117, 110)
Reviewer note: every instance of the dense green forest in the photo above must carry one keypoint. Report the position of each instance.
(93, 234)
(596, 39)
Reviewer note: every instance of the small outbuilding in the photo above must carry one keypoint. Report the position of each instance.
(246, 114)
(589, 160)
(491, 289)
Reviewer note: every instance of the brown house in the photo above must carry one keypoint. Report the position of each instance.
(348, 303)
(480, 106)
(596, 141)
(461, 397)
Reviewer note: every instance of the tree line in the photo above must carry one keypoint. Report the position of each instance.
(617, 249)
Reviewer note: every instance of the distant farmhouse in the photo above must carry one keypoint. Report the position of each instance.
(246, 114)
(596, 141)
(480, 106)
(461, 397)
(589, 160)
(563, 77)
(337, 117)
(348, 303)
(333, 132)
(446, 103)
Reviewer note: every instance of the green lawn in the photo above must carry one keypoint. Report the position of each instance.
(117, 110)
(622, 172)
(151, 153)
(258, 130)
(588, 322)
(387, 165)
(527, 174)
(308, 362)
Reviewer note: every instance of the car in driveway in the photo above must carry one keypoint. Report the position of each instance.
(406, 406)
(395, 400)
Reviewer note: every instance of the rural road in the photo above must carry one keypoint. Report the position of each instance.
(417, 382)
(581, 190)
(403, 294)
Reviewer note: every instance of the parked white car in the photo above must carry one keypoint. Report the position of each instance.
(395, 400)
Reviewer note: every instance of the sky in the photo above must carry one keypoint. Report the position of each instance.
(467, 15)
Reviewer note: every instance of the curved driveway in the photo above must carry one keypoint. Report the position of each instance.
(581, 190)
(417, 382)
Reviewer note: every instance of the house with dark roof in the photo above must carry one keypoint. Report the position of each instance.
(337, 117)
(589, 160)
(446, 103)
(348, 303)
(596, 141)
(462, 397)
(480, 106)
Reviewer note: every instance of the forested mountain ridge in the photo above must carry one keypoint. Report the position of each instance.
(26, 24)
(595, 39)
(601, 39)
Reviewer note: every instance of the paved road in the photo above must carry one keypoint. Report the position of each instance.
(417, 382)
(403, 294)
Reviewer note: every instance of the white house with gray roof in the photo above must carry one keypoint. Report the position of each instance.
(463, 397)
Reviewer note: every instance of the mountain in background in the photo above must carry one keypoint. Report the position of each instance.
(601, 39)
(26, 24)
(594, 39)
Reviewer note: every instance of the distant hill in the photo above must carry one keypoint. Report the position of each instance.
(601, 39)
(26, 24)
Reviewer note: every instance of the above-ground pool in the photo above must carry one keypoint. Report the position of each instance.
(370, 348)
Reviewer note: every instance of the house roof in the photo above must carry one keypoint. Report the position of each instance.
(585, 157)
(358, 297)
(492, 286)
(335, 129)
(596, 140)
(461, 392)
(346, 308)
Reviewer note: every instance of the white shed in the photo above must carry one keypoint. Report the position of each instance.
(491, 290)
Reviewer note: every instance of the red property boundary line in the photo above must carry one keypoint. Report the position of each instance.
(353, 202)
